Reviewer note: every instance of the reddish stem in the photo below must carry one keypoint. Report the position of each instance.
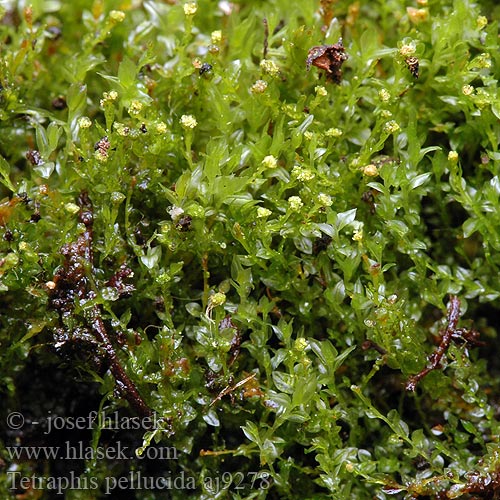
(72, 280)
(446, 338)
(127, 387)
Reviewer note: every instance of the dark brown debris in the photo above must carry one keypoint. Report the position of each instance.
(329, 58)
(73, 282)
(413, 66)
(450, 334)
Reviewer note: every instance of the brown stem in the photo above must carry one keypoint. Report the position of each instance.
(266, 37)
(369, 344)
(127, 387)
(72, 280)
(446, 338)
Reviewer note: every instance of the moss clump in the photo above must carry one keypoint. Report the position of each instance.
(244, 259)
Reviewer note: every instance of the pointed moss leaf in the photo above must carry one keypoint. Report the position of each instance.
(76, 96)
(283, 330)
(495, 108)
(45, 170)
(4, 173)
(251, 431)
(398, 425)
(341, 357)
(429, 149)
(127, 72)
(327, 229)
(269, 451)
(279, 357)
(495, 184)
(152, 257)
(469, 427)
(34, 328)
(304, 390)
(283, 382)
(303, 244)
(325, 351)
(216, 150)
(419, 180)
(211, 418)
(41, 140)
(53, 134)
(305, 124)
(398, 227)
(364, 455)
(449, 99)
(278, 402)
(470, 226)
(392, 490)
(345, 218)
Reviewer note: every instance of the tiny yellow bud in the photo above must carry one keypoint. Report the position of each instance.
(101, 156)
(320, 90)
(161, 128)
(407, 50)
(259, 87)
(270, 161)
(481, 22)
(417, 15)
(263, 212)
(216, 37)
(453, 157)
(121, 129)
(84, 122)
(295, 203)
(302, 174)
(108, 97)
(467, 90)
(391, 127)
(333, 132)
(117, 16)
(384, 95)
(483, 61)
(325, 200)
(188, 121)
(72, 208)
(370, 170)
(358, 234)
(190, 8)
(217, 299)
(269, 67)
(135, 107)
(301, 344)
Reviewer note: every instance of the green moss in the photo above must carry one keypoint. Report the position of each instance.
(199, 230)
